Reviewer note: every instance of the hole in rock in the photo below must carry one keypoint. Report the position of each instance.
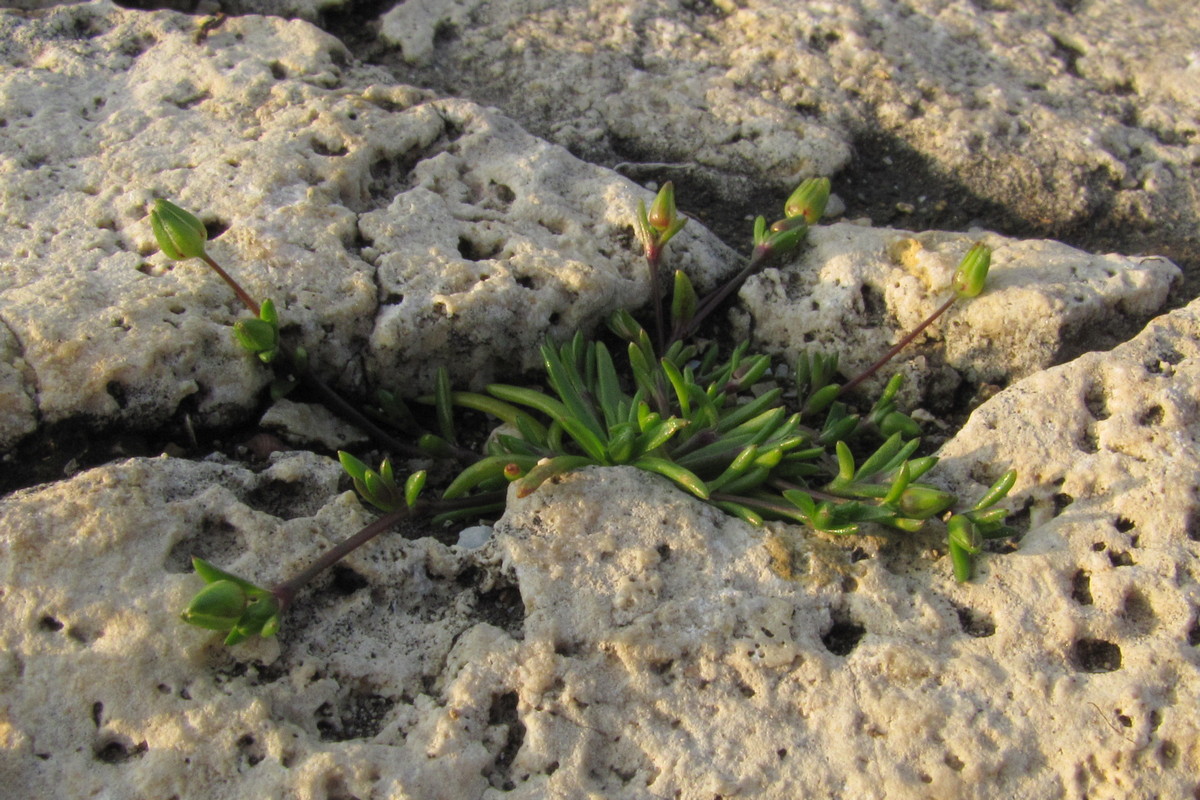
(344, 581)
(1095, 655)
(117, 392)
(978, 624)
(1081, 588)
(358, 715)
(1061, 501)
(1151, 416)
(503, 608)
(843, 637)
(286, 499)
(119, 750)
(503, 711)
(331, 150)
(278, 71)
(1193, 525)
(1097, 403)
(1121, 559)
(215, 227)
(473, 250)
(1138, 612)
(48, 623)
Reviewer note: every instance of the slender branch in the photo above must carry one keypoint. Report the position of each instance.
(709, 303)
(652, 260)
(338, 405)
(890, 354)
(246, 299)
(285, 592)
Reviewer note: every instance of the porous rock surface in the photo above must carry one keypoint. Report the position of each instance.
(395, 231)
(1058, 115)
(616, 638)
(619, 638)
(857, 290)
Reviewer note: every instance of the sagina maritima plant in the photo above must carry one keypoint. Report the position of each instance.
(720, 426)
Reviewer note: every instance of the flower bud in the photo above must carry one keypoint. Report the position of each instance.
(808, 200)
(218, 606)
(261, 618)
(972, 272)
(923, 502)
(662, 210)
(257, 336)
(180, 235)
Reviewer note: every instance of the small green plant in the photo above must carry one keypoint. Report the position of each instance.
(723, 427)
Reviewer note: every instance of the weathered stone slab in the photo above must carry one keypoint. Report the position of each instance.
(396, 232)
(856, 291)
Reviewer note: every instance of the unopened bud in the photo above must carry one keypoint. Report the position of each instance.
(972, 272)
(923, 502)
(180, 235)
(217, 607)
(808, 201)
(662, 210)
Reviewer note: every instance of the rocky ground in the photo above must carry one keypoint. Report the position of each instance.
(448, 182)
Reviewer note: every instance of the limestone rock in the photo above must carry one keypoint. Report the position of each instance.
(651, 634)
(393, 230)
(1050, 115)
(857, 290)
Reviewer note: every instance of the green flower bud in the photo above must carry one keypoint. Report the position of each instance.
(923, 502)
(260, 618)
(257, 336)
(662, 210)
(218, 606)
(808, 201)
(785, 235)
(972, 272)
(180, 235)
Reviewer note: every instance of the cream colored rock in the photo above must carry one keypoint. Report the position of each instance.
(394, 231)
(857, 291)
(106, 693)
(1077, 117)
(656, 647)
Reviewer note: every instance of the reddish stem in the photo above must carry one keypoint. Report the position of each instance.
(246, 299)
(890, 354)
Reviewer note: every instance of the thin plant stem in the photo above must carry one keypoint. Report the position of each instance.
(652, 261)
(242, 294)
(285, 592)
(710, 302)
(896, 348)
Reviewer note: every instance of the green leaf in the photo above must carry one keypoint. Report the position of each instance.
(444, 405)
(660, 433)
(608, 387)
(998, 491)
(353, 467)
(413, 487)
(673, 471)
(483, 470)
(548, 469)
(679, 385)
(544, 403)
(741, 512)
(683, 301)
